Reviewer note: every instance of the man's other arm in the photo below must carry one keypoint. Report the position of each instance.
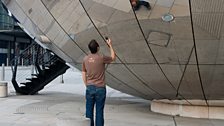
(84, 73)
(84, 77)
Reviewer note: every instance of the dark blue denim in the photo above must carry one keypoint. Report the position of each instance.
(95, 95)
(140, 3)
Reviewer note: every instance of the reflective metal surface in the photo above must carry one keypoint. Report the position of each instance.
(181, 59)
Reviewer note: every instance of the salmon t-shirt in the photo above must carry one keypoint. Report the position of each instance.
(94, 66)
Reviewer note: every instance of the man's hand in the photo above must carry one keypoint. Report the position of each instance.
(109, 42)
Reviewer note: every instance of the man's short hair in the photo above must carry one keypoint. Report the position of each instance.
(93, 45)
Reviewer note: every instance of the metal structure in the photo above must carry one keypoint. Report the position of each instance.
(181, 59)
(41, 67)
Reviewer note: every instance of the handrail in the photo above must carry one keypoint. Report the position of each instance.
(33, 55)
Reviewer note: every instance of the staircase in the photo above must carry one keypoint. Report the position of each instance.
(39, 67)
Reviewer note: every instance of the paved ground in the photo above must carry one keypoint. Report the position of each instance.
(63, 105)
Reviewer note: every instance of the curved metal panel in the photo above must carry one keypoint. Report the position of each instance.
(155, 59)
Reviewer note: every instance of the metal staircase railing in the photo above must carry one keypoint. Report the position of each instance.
(34, 68)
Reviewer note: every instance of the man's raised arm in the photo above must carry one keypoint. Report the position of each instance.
(112, 53)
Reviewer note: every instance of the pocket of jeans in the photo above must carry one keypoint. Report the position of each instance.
(90, 93)
(101, 92)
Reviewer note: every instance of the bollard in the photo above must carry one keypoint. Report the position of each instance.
(32, 69)
(3, 89)
(2, 74)
(22, 61)
(61, 79)
(7, 61)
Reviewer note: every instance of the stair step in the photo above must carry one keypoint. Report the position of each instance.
(39, 80)
(23, 83)
(26, 83)
(32, 79)
(47, 65)
(35, 75)
(46, 68)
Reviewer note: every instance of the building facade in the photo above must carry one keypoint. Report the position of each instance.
(12, 38)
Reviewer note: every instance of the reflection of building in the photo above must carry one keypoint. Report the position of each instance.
(11, 37)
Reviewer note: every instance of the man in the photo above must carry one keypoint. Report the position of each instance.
(93, 74)
(136, 4)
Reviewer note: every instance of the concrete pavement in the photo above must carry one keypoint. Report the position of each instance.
(64, 105)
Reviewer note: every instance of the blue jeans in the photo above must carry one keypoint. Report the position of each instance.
(140, 3)
(95, 95)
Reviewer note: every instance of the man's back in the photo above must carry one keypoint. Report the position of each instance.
(94, 64)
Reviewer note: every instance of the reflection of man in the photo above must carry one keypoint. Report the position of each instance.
(93, 73)
(136, 4)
